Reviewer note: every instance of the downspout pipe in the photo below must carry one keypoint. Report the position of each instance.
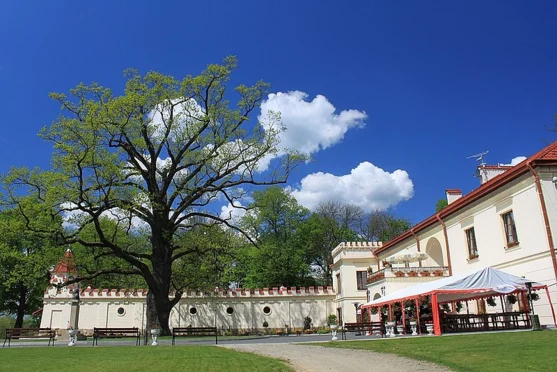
(417, 242)
(446, 243)
(545, 216)
(376, 259)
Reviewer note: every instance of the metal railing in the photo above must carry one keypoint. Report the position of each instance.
(394, 272)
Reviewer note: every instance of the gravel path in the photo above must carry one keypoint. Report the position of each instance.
(315, 358)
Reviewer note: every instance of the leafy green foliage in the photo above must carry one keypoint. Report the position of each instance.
(440, 205)
(25, 259)
(321, 233)
(280, 257)
(383, 226)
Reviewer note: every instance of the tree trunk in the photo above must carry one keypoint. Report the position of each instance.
(158, 313)
(21, 306)
(158, 302)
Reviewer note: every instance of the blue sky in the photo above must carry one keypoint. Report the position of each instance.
(437, 80)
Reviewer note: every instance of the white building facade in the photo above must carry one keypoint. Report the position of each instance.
(508, 223)
(233, 311)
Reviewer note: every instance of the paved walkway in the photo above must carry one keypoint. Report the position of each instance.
(305, 358)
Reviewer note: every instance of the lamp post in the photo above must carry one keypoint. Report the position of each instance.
(215, 307)
(535, 319)
(356, 304)
(74, 315)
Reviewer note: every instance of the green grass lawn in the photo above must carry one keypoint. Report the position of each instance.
(505, 352)
(135, 358)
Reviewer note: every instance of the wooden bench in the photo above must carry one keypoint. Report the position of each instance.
(19, 333)
(194, 331)
(116, 333)
(371, 327)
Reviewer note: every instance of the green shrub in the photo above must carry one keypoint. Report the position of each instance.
(32, 322)
(6, 322)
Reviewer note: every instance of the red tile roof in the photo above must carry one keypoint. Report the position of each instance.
(499, 166)
(66, 264)
(546, 156)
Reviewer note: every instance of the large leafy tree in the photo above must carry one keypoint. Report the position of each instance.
(26, 259)
(382, 226)
(280, 256)
(331, 224)
(153, 161)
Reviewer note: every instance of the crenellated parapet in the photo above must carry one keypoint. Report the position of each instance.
(355, 250)
(89, 292)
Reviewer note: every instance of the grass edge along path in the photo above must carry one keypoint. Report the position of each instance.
(505, 351)
(136, 358)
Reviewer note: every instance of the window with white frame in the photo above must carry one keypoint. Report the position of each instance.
(510, 229)
(471, 243)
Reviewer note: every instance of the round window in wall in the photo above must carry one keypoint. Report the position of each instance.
(266, 310)
(193, 310)
(121, 311)
(229, 310)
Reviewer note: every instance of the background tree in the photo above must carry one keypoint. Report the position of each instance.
(280, 256)
(440, 205)
(154, 160)
(382, 226)
(26, 259)
(331, 224)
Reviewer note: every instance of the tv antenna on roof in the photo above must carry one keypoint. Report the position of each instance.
(481, 168)
(479, 157)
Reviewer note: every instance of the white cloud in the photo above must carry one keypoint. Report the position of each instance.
(234, 211)
(231, 213)
(179, 118)
(311, 126)
(367, 186)
(515, 161)
(71, 216)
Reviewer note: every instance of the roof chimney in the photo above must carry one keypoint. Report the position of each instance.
(487, 172)
(453, 194)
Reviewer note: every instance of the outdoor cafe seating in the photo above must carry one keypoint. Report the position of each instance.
(452, 292)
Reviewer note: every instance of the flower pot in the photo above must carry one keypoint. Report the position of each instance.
(400, 329)
(390, 329)
(155, 333)
(414, 326)
(334, 329)
(73, 334)
(429, 328)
